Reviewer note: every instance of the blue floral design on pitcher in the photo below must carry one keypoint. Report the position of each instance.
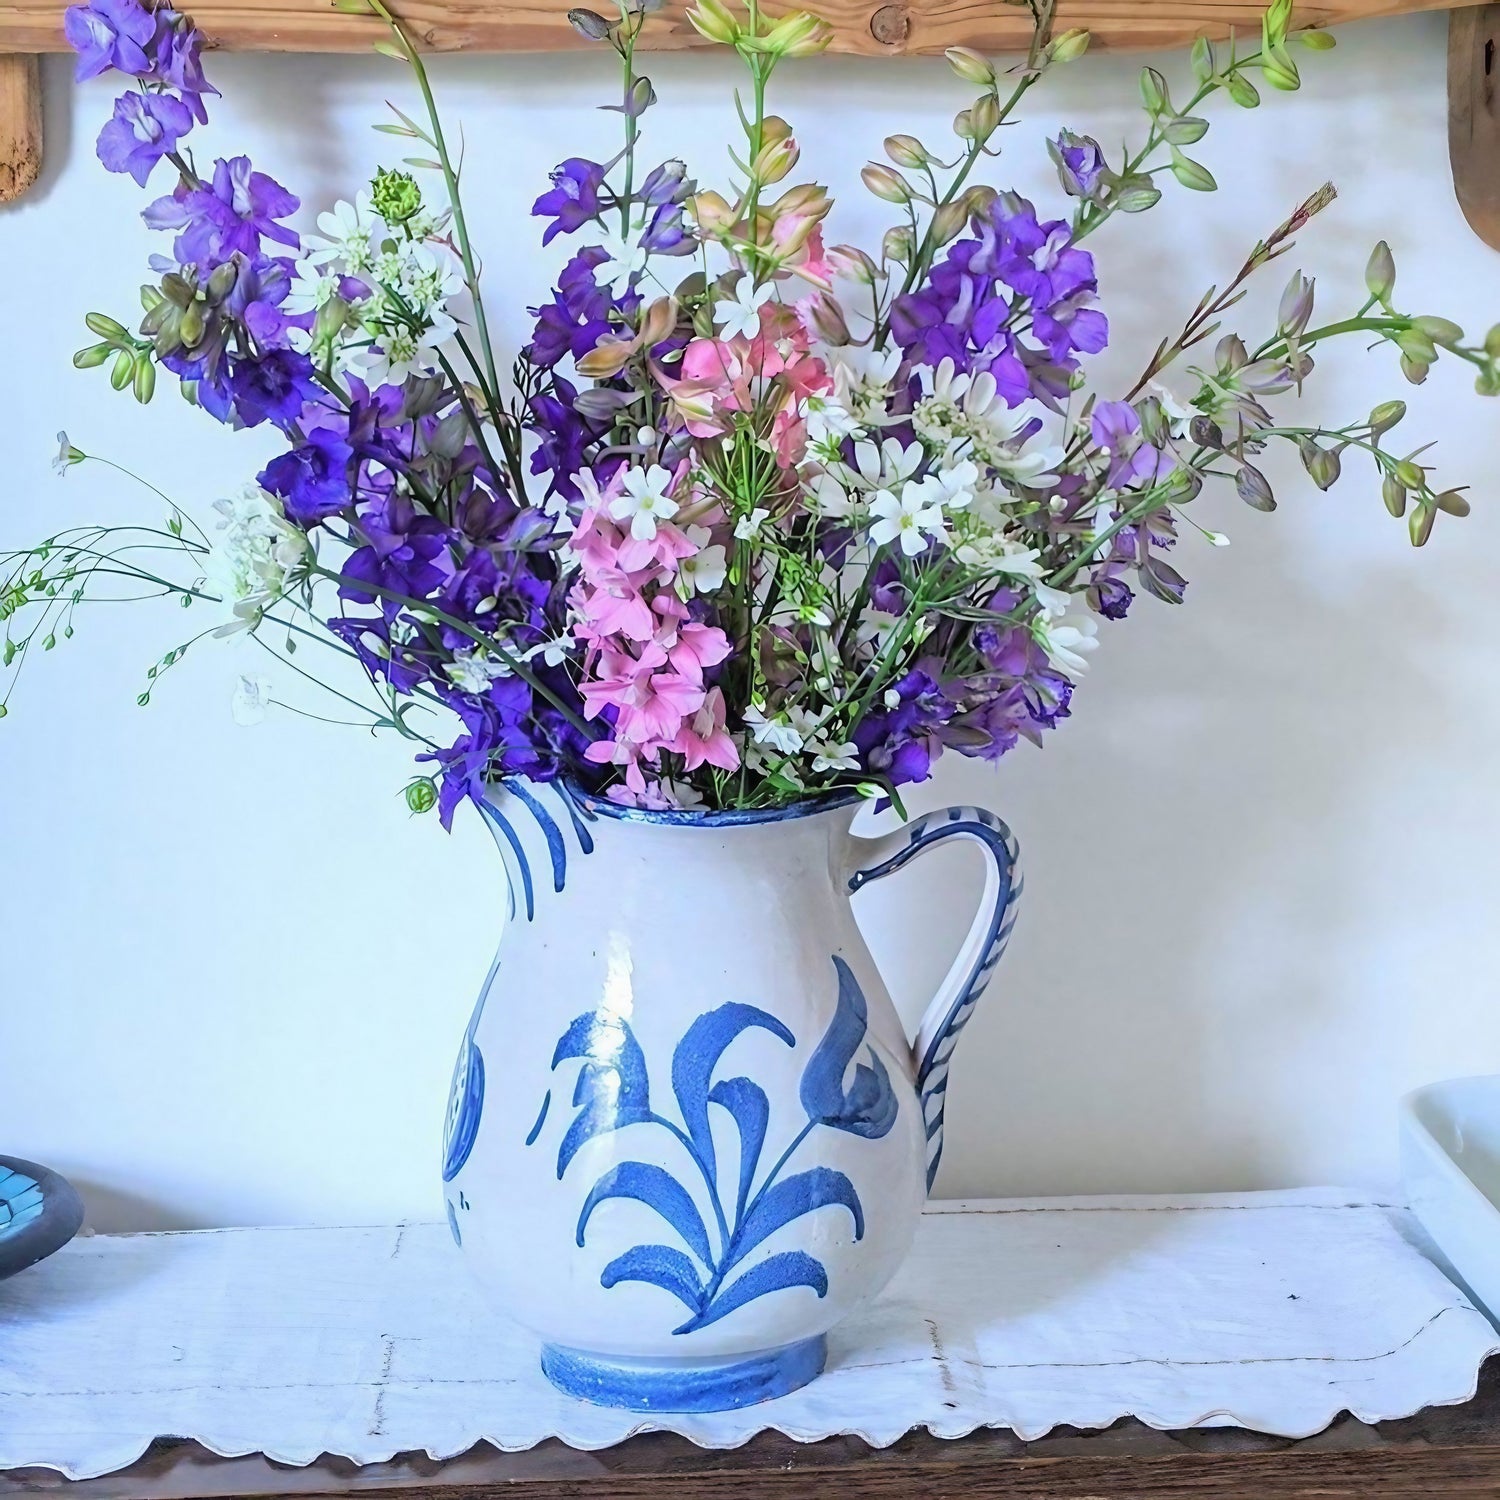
(613, 1091)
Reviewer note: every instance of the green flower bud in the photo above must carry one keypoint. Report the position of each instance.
(1394, 495)
(589, 24)
(1410, 474)
(906, 151)
(1419, 523)
(395, 195)
(144, 380)
(1136, 194)
(1154, 91)
(1414, 370)
(896, 245)
(1322, 464)
(1487, 383)
(124, 370)
(1439, 330)
(1386, 416)
(1203, 59)
(1184, 130)
(1492, 342)
(1192, 174)
(1281, 72)
(1451, 503)
(1069, 47)
(92, 357)
(1253, 488)
(971, 66)
(106, 328)
(421, 795)
(1242, 91)
(1380, 272)
(886, 184)
(1317, 41)
(984, 115)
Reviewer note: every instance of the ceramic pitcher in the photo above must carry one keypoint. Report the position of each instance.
(687, 1133)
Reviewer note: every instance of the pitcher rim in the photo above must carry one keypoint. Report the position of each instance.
(591, 804)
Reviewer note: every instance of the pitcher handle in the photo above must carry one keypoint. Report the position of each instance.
(969, 975)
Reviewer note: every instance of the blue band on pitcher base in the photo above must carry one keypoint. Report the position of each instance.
(638, 1385)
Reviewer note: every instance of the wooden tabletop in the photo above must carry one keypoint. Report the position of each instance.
(1446, 1451)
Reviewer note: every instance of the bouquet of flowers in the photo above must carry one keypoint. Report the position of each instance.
(754, 516)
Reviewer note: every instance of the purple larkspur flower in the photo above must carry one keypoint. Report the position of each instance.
(405, 552)
(667, 232)
(565, 435)
(313, 479)
(144, 128)
(1080, 163)
(177, 60)
(110, 34)
(273, 387)
(578, 314)
(1116, 427)
(573, 200)
(901, 739)
(667, 183)
(234, 212)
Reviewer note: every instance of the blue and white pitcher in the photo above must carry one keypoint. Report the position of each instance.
(687, 1133)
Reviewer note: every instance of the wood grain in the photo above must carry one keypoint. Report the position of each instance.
(1439, 1454)
(872, 28)
(20, 125)
(1474, 116)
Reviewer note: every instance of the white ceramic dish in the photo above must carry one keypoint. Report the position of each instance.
(1450, 1165)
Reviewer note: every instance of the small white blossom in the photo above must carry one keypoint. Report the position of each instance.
(828, 756)
(1068, 641)
(644, 501)
(740, 315)
(474, 671)
(66, 456)
(624, 260)
(910, 518)
(429, 278)
(888, 465)
(705, 569)
(252, 696)
(250, 564)
(747, 528)
(350, 232)
(829, 422)
(312, 286)
(779, 733)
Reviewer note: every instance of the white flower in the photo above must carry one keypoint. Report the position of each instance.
(429, 278)
(950, 489)
(399, 352)
(889, 464)
(474, 671)
(350, 232)
(862, 380)
(250, 564)
(829, 422)
(910, 518)
(312, 286)
(252, 696)
(644, 501)
(1054, 603)
(1177, 415)
(828, 756)
(778, 733)
(828, 497)
(624, 260)
(1067, 641)
(1000, 554)
(740, 315)
(705, 569)
(66, 456)
(747, 528)
(556, 651)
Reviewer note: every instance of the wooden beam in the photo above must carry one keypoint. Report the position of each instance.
(871, 28)
(20, 125)
(1474, 116)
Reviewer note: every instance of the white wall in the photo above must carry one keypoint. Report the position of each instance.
(1262, 873)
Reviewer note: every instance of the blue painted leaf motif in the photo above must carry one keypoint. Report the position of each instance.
(698, 1053)
(868, 1109)
(465, 1105)
(751, 1111)
(789, 1199)
(774, 1274)
(660, 1265)
(613, 1089)
(657, 1189)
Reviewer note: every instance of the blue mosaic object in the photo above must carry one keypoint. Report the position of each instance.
(705, 1272)
(39, 1213)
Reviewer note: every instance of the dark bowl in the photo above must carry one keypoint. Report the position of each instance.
(39, 1213)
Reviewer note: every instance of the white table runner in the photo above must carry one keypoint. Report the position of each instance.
(1274, 1311)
